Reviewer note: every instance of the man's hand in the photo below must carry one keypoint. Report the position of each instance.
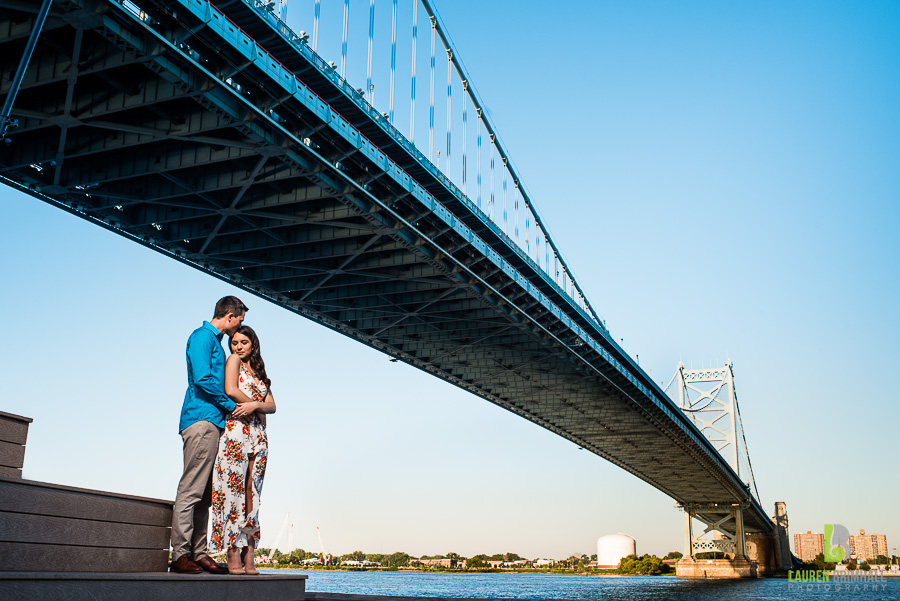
(243, 410)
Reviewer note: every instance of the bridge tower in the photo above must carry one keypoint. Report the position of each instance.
(708, 398)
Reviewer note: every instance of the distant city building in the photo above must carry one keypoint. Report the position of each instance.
(808, 546)
(519, 563)
(442, 562)
(868, 546)
(360, 564)
(509, 565)
(612, 548)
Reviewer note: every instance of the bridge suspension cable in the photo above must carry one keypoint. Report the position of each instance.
(491, 201)
(393, 59)
(431, 98)
(370, 89)
(580, 299)
(412, 105)
(344, 43)
(465, 124)
(449, 98)
(478, 157)
(505, 214)
(740, 425)
(527, 244)
(315, 42)
(516, 212)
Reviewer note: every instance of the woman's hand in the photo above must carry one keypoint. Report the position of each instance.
(243, 410)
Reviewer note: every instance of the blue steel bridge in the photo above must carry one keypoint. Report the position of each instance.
(219, 137)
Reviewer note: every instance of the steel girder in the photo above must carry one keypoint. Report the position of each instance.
(186, 137)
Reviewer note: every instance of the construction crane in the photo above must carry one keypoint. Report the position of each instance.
(326, 557)
(289, 525)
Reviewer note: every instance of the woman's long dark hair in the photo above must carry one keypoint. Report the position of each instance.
(256, 361)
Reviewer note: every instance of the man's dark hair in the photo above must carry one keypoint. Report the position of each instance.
(229, 304)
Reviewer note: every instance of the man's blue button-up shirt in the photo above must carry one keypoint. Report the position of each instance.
(205, 399)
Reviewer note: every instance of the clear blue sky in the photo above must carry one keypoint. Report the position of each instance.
(724, 181)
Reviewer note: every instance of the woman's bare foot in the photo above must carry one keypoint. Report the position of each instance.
(234, 561)
(249, 564)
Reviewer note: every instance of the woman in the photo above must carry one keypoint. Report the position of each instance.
(243, 448)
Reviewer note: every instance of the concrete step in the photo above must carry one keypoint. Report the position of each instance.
(55, 528)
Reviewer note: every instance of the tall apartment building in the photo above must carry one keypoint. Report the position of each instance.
(807, 546)
(868, 546)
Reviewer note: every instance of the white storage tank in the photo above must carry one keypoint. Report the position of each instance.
(612, 548)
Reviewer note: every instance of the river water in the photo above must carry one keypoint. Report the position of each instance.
(624, 588)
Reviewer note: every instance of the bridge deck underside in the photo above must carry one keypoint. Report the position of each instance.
(124, 130)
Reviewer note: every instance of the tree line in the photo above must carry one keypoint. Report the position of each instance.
(865, 565)
(298, 556)
(632, 564)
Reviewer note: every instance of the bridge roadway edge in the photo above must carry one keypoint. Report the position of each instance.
(512, 311)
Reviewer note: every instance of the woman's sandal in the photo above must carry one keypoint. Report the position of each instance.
(237, 572)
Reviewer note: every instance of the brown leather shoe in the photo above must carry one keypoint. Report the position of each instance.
(184, 565)
(206, 563)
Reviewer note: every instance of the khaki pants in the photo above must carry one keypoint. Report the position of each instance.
(190, 520)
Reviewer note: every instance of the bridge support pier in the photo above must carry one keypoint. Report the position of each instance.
(783, 554)
(688, 535)
(772, 552)
(761, 549)
(738, 565)
(741, 545)
(747, 555)
(717, 569)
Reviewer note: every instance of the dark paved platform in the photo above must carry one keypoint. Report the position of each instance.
(314, 596)
(149, 586)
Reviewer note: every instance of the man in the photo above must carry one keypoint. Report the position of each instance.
(202, 420)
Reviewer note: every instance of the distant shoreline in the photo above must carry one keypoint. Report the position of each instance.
(611, 573)
(605, 573)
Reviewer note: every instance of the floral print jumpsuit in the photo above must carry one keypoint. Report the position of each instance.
(238, 444)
